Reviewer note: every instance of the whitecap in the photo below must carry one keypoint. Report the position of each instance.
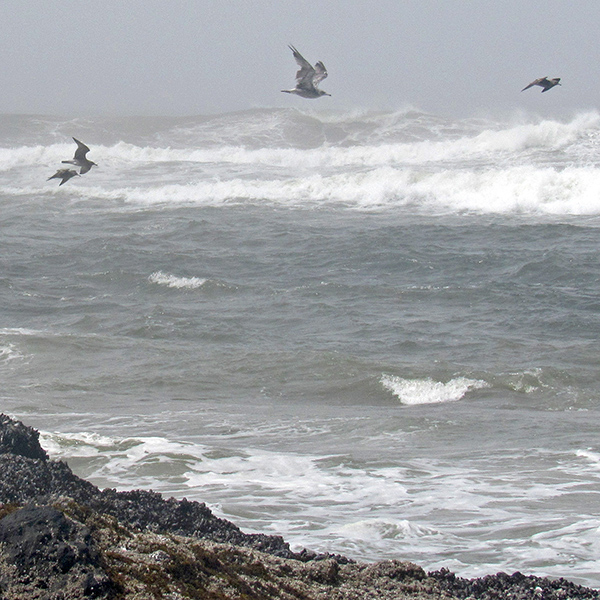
(591, 456)
(427, 391)
(18, 331)
(8, 353)
(174, 281)
(523, 189)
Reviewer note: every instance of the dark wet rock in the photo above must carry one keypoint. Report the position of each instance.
(512, 587)
(25, 480)
(46, 555)
(16, 438)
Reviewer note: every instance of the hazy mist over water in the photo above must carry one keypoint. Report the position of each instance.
(77, 58)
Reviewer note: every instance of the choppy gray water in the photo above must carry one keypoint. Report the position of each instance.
(374, 334)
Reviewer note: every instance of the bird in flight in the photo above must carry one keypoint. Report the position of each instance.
(308, 77)
(64, 175)
(80, 159)
(543, 82)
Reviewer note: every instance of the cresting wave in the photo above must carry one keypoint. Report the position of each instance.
(517, 190)
(427, 391)
(382, 161)
(8, 352)
(174, 281)
(451, 145)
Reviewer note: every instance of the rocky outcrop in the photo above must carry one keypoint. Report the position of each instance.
(512, 587)
(20, 440)
(46, 555)
(61, 538)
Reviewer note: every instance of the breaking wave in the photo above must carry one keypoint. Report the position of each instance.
(427, 391)
(173, 281)
(359, 160)
(517, 190)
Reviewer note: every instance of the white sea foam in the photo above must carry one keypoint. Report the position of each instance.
(516, 190)
(174, 281)
(427, 391)
(591, 456)
(18, 331)
(546, 136)
(32, 155)
(546, 167)
(83, 444)
(9, 352)
(127, 463)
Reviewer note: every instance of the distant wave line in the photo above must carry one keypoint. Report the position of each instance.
(547, 134)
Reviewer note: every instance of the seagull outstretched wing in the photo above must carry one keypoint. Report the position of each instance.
(64, 175)
(81, 151)
(535, 82)
(306, 73)
(320, 73)
(545, 83)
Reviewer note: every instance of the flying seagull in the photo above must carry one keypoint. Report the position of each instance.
(308, 77)
(543, 82)
(64, 175)
(80, 159)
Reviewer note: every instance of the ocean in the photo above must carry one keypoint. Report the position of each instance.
(373, 333)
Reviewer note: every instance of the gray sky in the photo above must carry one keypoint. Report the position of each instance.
(185, 57)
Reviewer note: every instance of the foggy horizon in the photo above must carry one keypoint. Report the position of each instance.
(192, 58)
